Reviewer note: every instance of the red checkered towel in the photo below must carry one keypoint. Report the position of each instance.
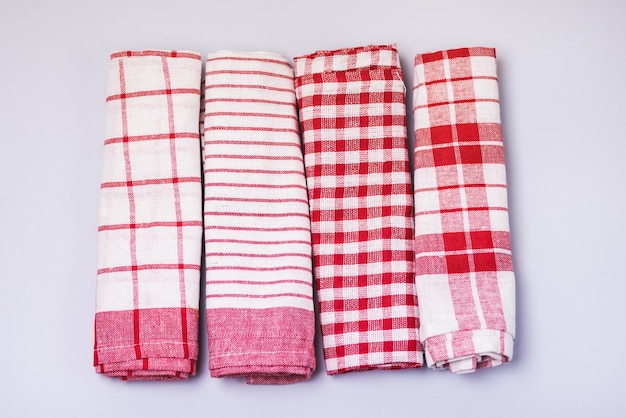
(465, 281)
(260, 317)
(352, 114)
(150, 226)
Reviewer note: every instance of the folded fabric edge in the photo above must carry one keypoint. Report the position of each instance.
(270, 371)
(363, 58)
(468, 351)
(267, 348)
(425, 57)
(158, 359)
(156, 53)
(227, 53)
(416, 364)
(150, 369)
(348, 51)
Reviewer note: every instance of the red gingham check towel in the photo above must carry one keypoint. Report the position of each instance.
(259, 290)
(150, 227)
(465, 281)
(352, 114)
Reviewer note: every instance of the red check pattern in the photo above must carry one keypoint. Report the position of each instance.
(259, 279)
(150, 223)
(352, 115)
(465, 281)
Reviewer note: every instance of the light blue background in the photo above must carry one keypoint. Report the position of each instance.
(561, 66)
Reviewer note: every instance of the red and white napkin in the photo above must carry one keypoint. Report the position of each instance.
(259, 306)
(352, 115)
(150, 222)
(465, 281)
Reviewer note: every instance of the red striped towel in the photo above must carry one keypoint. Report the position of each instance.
(465, 280)
(260, 317)
(150, 227)
(352, 114)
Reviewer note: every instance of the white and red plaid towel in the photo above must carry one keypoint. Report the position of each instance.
(150, 225)
(259, 289)
(465, 281)
(352, 114)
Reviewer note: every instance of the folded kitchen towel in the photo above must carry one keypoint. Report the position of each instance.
(353, 120)
(150, 222)
(464, 273)
(259, 291)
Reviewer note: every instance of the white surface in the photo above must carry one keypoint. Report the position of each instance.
(561, 69)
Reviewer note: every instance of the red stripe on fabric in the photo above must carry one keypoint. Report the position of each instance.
(156, 53)
(153, 137)
(453, 79)
(461, 186)
(457, 53)
(247, 86)
(256, 185)
(463, 344)
(178, 210)
(244, 142)
(248, 72)
(255, 283)
(252, 114)
(256, 229)
(255, 242)
(146, 93)
(132, 214)
(246, 295)
(252, 171)
(250, 128)
(260, 215)
(115, 227)
(251, 200)
(256, 157)
(136, 332)
(184, 331)
(454, 102)
(151, 182)
(243, 268)
(429, 57)
(248, 100)
(141, 267)
(437, 253)
(490, 300)
(463, 302)
(267, 60)
(472, 209)
(96, 361)
(251, 255)
(476, 51)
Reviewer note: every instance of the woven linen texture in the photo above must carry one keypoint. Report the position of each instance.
(464, 273)
(352, 115)
(259, 278)
(150, 222)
